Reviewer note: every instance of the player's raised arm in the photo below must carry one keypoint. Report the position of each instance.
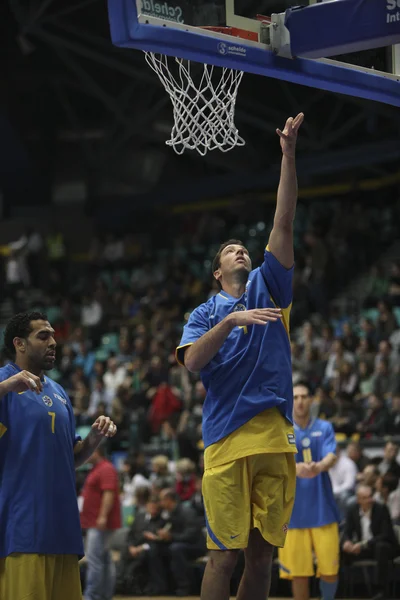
(281, 239)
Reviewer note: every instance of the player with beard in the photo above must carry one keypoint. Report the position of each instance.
(239, 341)
(40, 533)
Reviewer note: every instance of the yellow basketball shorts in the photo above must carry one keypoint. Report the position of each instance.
(40, 577)
(247, 493)
(296, 559)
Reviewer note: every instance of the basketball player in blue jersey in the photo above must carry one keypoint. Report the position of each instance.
(313, 528)
(239, 341)
(40, 533)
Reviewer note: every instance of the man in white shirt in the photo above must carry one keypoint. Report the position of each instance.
(343, 476)
(114, 376)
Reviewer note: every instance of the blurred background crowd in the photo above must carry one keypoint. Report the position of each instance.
(118, 307)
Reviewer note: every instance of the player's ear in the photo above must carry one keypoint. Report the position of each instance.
(19, 344)
(218, 274)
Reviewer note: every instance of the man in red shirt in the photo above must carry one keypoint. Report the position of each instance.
(100, 516)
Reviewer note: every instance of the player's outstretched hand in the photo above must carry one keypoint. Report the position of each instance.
(104, 426)
(289, 135)
(256, 316)
(23, 381)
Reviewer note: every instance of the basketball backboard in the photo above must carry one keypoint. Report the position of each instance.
(238, 34)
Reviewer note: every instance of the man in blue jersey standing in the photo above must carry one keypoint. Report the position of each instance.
(239, 341)
(40, 533)
(314, 526)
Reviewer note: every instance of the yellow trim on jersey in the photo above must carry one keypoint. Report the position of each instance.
(3, 429)
(268, 432)
(222, 296)
(179, 361)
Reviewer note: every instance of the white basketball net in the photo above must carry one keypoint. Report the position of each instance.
(204, 111)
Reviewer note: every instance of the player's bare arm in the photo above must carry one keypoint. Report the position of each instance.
(101, 428)
(21, 382)
(325, 464)
(281, 238)
(199, 354)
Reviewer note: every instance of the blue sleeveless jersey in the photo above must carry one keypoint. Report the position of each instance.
(38, 505)
(252, 370)
(314, 504)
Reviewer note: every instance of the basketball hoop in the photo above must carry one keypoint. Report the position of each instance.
(203, 99)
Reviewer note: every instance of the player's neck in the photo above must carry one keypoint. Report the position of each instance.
(25, 366)
(234, 287)
(302, 422)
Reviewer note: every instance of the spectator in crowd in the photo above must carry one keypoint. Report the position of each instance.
(100, 395)
(369, 533)
(366, 380)
(347, 379)
(197, 503)
(389, 463)
(369, 476)
(133, 566)
(185, 479)
(394, 417)
(183, 542)
(383, 380)
(387, 322)
(160, 476)
(336, 357)
(133, 479)
(355, 453)
(374, 423)
(190, 424)
(114, 376)
(100, 516)
(388, 492)
(343, 476)
(344, 419)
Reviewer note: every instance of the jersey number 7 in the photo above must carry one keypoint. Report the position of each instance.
(53, 420)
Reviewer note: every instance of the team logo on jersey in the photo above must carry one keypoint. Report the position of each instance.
(60, 398)
(239, 307)
(306, 442)
(285, 528)
(291, 438)
(47, 400)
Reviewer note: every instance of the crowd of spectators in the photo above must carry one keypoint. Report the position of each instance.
(118, 313)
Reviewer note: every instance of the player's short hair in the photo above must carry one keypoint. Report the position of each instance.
(303, 383)
(20, 326)
(217, 259)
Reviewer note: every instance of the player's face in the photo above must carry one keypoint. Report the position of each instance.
(301, 402)
(41, 346)
(234, 259)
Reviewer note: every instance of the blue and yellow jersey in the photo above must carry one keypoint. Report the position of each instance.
(38, 504)
(252, 371)
(314, 505)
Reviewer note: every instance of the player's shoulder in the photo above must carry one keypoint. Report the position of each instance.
(57, 390)
(7, 371)
(323, 426)
(205, 309)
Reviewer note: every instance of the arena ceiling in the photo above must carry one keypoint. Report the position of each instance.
(75, 111)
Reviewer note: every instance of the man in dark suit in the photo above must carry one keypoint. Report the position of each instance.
(369, 534)
(183, 540)
(132, 569)
(389, 463)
